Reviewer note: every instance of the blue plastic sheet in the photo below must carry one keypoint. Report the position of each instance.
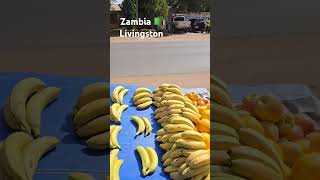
(71, 155)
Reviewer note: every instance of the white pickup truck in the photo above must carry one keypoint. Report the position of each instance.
(180, 23)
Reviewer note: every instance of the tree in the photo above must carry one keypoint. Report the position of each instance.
(129, 9)
(153, 8)
(189, 5)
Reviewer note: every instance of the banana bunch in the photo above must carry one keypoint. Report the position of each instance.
(118, 107)
(80, 176)
(142, 98)
(178, 117)
(149, 159)
(23, 109)
(91, 115)
(143, 125)
(115, 165)
(118, 93)
(20, 153)
(114, 131)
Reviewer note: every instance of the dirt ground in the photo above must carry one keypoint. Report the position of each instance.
(275, 58)
(173, 37)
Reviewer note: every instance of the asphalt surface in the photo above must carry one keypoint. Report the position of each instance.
(136, 59)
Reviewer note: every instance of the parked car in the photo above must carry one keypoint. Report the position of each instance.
(198, 24)
(180, 23)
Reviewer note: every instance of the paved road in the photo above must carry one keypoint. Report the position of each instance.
(136, 59)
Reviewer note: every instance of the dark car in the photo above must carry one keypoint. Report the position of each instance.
(198, 25)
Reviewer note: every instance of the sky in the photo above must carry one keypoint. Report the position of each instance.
(119, 1)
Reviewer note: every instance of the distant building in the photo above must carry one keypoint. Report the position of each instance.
(115, 14)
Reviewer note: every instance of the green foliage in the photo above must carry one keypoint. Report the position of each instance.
(129, 9)
(153, 8)
(189, 5)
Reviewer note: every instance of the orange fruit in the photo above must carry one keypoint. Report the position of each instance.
(204, 125)
(307, 167)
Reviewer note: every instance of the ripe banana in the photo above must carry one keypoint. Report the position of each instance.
(174, 111)
(12, 156)
(114, 111)
(99, 141)
(10, 120)
(190, 144)
(201, 176)
(220, 96)
(196, 154)
(178, 161)
(182, 168)
(190, 172)
(116, 169)
(115, 94)
(160, 109)
(254, 170)
(80, 176)
(166, 146)
(167, 162)
(223, 129)
(173, 97)
(175, 137)
(33, 151)
(220, 157)
(141, 90)
(90, 111)
(141, 95)
(171, 102)
(191, 106)
(176, 127)
(148, 127)
(121, 109)
(222, 142)
(175, 106)
(144, 105)
(140, 123)
(114, 137)
(200, 161)
(92, 92)
(181, 152)
(195, 135)
(174, 90)
(190, 111)
(226, 116)
(181, 120)
(218, 82)
(113, 156)
(21, 92)
(142, 100)
(121, 95)
(94, 127)
(246, 152)
(153, 160)
(256, 140)
(195, 119)
(161, 132)
(35, 106)
(145, 159)
(170, 169)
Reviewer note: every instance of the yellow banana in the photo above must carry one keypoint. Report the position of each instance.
(33, 151)
(114, 111)
(163, 119)
(21, 92)
(94, 127)
(171, 102)
(190, 111)
(226, 116)
(196, 154)
(256, 140)
(80, 176)
(141, 95)
(175, 106)
(218, 82)
(114, 137)
(121, 109)
(145, 159)
(182, 168)
(12, 156)
(144, 105)
(142, 89)
(9, 119)
(190, 144)
(115, 94)
(99, 141)
(181, 152)
(173, 97)
(121, 95)
(190, 172)
(167, 162)
(192, 135)
(191, 116)
(222, 142)
(166, 146)
(147, 125)
(254, 170)
(113, 156)
(116, 169)
(142, 100)
(153, 160)
(176, 127)
(140, 123)
(176, 176)
(201, 176)
(223, 129)
(178, 161)
(160, 109)
(174, 90)
(220, 157)
(175, 137)
(170, 169)
(92, 92)
(161, 132)
(88, 112)
(220, 96)
(164, 85)
(192, 107)
(175, 111)
(35, 106)
(200, 161)
(181, 120)
(247, 152)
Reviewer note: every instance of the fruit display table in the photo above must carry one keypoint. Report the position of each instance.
(71, 155)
